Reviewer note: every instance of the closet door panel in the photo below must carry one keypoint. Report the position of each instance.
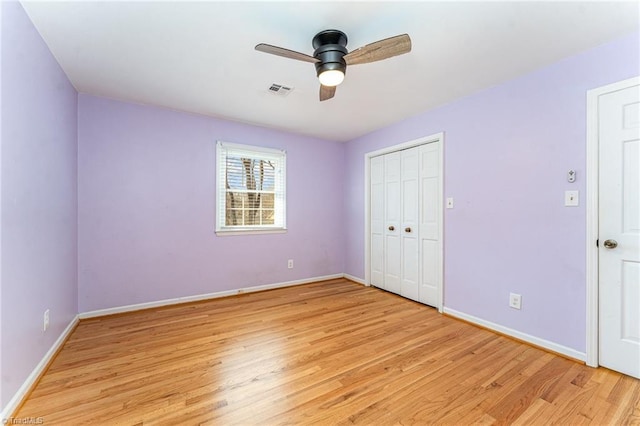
(377, 221)
(410, 174)
(430, 205)
(392, 222)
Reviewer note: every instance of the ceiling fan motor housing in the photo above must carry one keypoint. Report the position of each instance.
(330, 48)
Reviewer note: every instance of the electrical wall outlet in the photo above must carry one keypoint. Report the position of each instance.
(45, 324)
(290, 264)
(515, 301)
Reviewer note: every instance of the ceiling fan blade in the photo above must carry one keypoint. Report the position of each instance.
(379, 50)
(327, 92)
(286, 53)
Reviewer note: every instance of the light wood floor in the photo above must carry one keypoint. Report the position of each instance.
(332, 352)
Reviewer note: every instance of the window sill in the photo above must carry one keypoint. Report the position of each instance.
(231, 232)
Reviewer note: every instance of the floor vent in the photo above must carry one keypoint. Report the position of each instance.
(280, 90)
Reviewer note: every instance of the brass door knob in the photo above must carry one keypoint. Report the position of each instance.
(610, 244)
(407, 229)
(391, 228)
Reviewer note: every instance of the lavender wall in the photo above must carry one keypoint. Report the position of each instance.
(147, 207)
(507, 152)
(39, 198)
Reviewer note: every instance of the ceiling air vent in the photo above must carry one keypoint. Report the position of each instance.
(280, 90)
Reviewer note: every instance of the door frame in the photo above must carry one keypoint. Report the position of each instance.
(437, 137)
(592, 206)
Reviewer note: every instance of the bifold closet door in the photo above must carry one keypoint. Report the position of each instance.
(405, 223)
(395, 222)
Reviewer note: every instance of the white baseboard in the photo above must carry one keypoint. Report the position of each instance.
(355, 279)
(19, 396)
(546, 344)
(199, 297)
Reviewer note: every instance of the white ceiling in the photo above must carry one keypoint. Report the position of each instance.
(199, 56)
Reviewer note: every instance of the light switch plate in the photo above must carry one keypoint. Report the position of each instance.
(571, 198)
(449, 203)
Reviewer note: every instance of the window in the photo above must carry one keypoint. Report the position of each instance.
(250, 189)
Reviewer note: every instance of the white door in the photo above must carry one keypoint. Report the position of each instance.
(392, 222)
(619, 230)
(410, 178)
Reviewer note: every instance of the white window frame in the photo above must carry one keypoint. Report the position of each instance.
(280, 203)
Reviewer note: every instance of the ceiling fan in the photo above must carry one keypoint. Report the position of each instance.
(331, 56)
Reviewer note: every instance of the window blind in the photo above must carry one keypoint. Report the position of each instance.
(251, 188)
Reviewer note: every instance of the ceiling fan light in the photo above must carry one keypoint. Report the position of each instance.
(331, 78)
